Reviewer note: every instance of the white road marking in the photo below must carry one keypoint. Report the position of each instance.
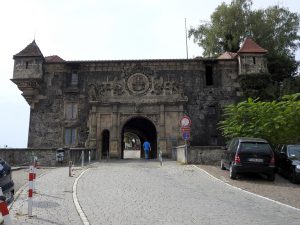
(76, 202)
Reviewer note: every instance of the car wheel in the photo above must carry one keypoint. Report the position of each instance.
(293, 176)
(232, 172)
(222, 166)
(271, 177)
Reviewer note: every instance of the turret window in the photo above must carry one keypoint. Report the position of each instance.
(254, 60)
(26, 65)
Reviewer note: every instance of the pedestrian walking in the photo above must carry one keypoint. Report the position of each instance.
(147, 149)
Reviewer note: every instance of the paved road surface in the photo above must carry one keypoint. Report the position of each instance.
(139, 192)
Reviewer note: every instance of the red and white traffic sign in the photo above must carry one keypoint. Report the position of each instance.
(185, 129)
(185, 121)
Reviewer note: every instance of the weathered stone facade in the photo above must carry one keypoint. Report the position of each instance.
(93, 103)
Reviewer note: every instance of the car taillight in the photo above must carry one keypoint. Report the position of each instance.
(272, 161)
(237, 159)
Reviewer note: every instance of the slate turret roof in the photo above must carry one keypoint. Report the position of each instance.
(31, 50)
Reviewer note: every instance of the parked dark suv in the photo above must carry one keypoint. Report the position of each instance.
(249, 155)
(288, 161)
(6, 182)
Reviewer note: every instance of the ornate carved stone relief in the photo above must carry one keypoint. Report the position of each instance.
(138, 81)
(138, 84)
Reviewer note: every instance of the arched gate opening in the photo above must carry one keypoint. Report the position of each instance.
(105, 144)
(142, 129)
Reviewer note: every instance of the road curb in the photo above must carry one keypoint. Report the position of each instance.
(80, 212)
(248, 192)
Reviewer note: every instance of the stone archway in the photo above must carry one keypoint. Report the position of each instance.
(145, 130)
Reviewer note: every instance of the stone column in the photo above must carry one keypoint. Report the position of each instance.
(92, 139)
(115, 152)
(162, 144)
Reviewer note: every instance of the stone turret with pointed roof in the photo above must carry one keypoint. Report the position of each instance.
(252, 58)
(31, 50)
(28, 71)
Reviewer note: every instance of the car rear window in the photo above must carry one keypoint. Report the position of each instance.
(254, 147)
(294, 151)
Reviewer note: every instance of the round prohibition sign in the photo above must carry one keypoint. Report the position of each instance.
(185, 121)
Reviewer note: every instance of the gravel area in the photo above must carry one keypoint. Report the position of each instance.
(280, 190)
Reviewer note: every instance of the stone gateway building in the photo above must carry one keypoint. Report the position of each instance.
(106, 104)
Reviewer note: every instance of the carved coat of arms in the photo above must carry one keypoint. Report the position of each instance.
(138, 83)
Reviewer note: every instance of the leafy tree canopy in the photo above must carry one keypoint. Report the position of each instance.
(275, 29)
(276, 121)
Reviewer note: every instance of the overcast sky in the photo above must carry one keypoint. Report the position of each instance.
(94, 29)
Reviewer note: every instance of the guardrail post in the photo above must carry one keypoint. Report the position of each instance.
(30, 191)
(4, 209)
(70, 169)
(82, 158)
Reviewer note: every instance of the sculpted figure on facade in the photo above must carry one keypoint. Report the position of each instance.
(118, 87)
(158, 86)
(92, 92)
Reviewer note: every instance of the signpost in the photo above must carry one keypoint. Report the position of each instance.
(185, 129)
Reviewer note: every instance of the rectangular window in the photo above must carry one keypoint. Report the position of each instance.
(74, 79)
(71, 111)
(209, 75)
(254, 61)
(70, 136)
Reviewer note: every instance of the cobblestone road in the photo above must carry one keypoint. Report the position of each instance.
(138, 192)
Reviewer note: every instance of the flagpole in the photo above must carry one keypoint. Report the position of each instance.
(186, 43)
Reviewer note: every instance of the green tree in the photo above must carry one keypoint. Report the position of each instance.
(276, 121)
(274, 28)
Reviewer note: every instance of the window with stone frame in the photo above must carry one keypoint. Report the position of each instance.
(73, 79)
(70, 136)
(71, 110)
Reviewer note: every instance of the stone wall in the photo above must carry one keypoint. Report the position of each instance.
(208, 155)
(46, 157)
(104, 83)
